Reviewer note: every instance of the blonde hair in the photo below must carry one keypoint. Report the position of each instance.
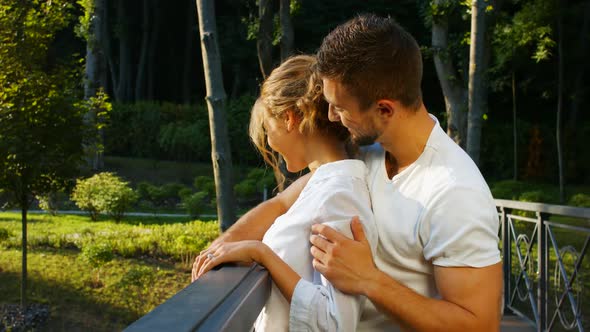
(293, 86)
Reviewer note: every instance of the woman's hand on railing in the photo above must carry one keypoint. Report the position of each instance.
(245, 252)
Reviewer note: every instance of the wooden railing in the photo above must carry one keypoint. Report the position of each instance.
(228, 299)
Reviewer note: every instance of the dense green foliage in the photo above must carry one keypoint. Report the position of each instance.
(133, 237)
(176, 132)
(41, 142)
(104, 193)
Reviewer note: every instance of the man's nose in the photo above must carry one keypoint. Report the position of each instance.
(332, 115)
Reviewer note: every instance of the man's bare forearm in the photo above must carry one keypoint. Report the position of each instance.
(473, 308)
(254, 224)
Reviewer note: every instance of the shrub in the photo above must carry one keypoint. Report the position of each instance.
(136, 285)
(194, 203)
(97, 255)
(245, 189)
(53, 202)
(580, 200)
(255, 182)
(4, 234)
(508, 189)
(104, 192)
(184, 193)
(206, 184)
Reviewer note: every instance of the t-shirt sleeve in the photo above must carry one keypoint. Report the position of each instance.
(318, 305)
(460, 228)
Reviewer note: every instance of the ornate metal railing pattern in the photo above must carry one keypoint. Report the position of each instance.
(536, 245)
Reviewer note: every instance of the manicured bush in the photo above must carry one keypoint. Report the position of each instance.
(580, 200)
(136, 285)
(205, 184)
(53, 202)
(177, 131)
(4, 234)
(106, 193)
(195, 203)
(97, 255)
(253, 186)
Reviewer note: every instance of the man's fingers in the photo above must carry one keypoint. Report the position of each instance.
(320, 242)
(318, 266)
(317, 254)
(328, 232)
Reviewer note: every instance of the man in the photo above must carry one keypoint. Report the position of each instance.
(437, 264)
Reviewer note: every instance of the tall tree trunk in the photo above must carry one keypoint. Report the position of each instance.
(264, 38)
(476, 79)
(188, 47)
(451, 84)
(106, 44)
(220, 151)
(582, 50)
(560, 56)
(23, 285)
(514, 131)
(143, 57)
(151, 79)
(95, 69)
(287, 33)
(124, 53)
(237, 83)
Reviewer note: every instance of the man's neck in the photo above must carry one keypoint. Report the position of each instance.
(406, 142)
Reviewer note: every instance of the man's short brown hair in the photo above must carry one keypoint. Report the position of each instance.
(375, 58)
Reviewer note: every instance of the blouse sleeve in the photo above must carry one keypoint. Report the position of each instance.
(317, 305)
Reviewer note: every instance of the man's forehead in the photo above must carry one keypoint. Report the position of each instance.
(331, 89)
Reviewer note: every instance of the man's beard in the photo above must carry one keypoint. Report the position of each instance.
(365, 140)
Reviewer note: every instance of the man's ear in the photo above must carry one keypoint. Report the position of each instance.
(386, 108)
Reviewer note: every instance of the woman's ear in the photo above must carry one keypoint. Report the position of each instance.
(291, 120)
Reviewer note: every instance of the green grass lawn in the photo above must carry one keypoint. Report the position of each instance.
(152, 260)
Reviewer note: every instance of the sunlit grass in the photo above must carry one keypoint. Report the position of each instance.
(151, 263)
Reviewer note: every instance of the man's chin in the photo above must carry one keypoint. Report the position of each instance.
(364, 140)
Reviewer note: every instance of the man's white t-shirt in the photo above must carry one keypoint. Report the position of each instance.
(438, 211)
(335, 193)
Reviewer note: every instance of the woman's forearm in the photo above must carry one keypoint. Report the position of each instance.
(281, 273)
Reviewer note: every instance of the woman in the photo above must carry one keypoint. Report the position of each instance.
(291, 117)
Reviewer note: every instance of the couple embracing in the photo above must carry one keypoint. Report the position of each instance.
(401, 233)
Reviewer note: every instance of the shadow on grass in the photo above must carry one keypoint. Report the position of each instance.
(70, 309)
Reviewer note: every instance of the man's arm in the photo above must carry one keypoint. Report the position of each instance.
(254, 224)
(470, 296)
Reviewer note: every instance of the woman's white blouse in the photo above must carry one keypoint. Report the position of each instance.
(335, 193)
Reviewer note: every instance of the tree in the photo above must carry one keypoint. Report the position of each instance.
(451, 81)
(220, 152)
(477, 69)
(287, 33)
(43, 132)
(517, 39)
(264, 37)
(91, 30)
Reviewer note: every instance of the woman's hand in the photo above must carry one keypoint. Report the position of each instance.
(240, 252)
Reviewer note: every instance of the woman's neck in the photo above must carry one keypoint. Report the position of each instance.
(322, 150)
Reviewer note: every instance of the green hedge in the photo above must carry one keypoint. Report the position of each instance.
(176, 132)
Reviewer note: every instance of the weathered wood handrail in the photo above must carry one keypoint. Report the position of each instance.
(228, 299)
